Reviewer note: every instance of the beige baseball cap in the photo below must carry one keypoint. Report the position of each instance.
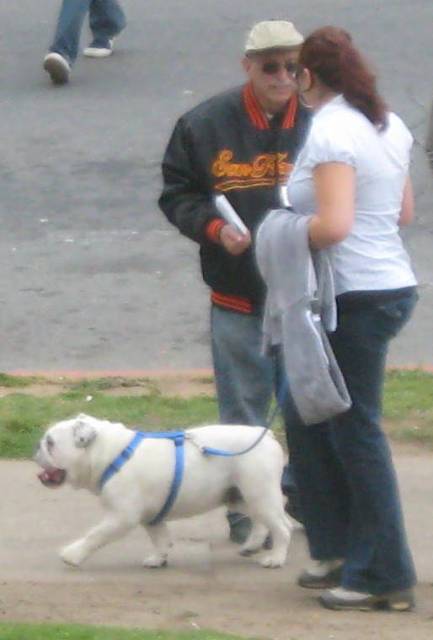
(272, 34)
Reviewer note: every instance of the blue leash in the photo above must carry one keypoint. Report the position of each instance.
(210, 451)
(269, 422)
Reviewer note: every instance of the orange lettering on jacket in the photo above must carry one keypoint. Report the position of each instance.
(265, 169)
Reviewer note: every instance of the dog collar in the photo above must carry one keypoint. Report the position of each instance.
(178, 438)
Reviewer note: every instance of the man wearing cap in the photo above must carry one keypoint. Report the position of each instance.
(241, 144)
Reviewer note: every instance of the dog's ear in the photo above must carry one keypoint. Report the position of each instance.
(84, 432)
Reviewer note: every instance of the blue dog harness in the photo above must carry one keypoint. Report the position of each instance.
(178, 437)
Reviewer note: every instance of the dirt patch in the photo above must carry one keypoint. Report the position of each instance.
(252, 610)
(183, 386)
(207, 586)
(42, 390)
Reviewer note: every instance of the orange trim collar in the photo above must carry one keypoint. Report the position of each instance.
(255, 112)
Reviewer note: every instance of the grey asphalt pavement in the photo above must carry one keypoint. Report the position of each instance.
(91, 275)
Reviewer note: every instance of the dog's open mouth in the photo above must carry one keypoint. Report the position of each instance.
(52, 477)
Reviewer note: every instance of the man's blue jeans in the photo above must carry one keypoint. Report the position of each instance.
(343, 468)
(106, 20)
(243, 376)
(244, 381)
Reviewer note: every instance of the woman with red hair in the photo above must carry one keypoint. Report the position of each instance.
(351, 178)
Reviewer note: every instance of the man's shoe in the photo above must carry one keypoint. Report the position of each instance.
(341, 598)
(58, 67)
(99, 49)
(268, 543)
(322, 574)
(240, 527)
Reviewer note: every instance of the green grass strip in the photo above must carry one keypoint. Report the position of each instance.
(23, 417)
(16, 381)
(408, 406)
(408, 410)
(10, 631)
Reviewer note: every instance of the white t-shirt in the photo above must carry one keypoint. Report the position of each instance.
(372, 257)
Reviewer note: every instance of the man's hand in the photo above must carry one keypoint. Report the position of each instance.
(233, 241)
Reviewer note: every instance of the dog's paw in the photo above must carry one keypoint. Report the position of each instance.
(272, 560)
(73, 554)
(155, 561)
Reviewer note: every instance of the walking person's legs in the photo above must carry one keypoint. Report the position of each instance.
(106, 20)
(64, 49)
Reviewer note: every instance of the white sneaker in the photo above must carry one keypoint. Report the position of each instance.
(341, 598)
(321, 574)
(58, 67)
(94, 51)
(320, 568)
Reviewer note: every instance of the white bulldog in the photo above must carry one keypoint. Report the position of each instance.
(80, 450)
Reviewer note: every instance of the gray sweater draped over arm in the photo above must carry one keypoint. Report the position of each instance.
(300, 309)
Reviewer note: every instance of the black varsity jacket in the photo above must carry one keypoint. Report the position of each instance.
(227, 145)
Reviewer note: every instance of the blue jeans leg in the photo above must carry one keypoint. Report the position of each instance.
(243, 376)
(320, 482)
(243, 379)
(69, 24)
(343, 468)
(106, 20)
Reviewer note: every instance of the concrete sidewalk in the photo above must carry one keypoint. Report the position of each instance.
(36, 521)
(207, 585)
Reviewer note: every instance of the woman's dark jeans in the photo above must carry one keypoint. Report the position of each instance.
(343, 468)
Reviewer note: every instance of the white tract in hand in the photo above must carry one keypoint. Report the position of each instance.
(229, 214)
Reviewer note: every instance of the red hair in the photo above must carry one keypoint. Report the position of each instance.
(329, 53)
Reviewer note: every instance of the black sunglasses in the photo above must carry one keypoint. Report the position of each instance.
(273, 67)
